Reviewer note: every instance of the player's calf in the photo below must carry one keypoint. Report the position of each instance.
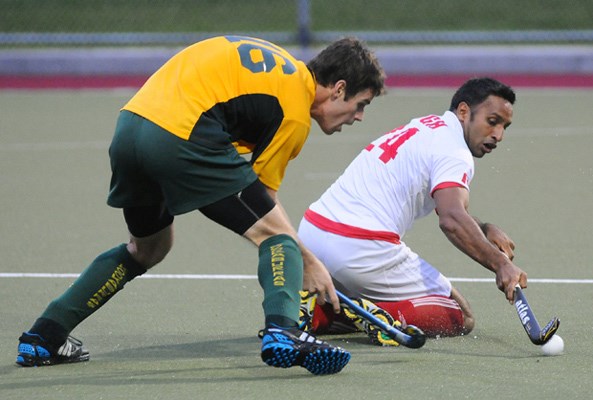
(435, 315)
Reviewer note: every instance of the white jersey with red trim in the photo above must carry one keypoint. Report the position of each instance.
(390, 183)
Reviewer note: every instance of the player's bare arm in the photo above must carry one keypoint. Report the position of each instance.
(497, 237)
(316, 278)
(464, 232)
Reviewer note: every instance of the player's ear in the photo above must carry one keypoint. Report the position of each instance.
(339, 89)
(463, 111)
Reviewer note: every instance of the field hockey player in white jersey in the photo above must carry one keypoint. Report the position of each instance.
(357, 226)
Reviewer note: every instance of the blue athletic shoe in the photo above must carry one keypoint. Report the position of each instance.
(34, 351)
(285, 348)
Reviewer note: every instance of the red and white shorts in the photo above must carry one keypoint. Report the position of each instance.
(378, 270)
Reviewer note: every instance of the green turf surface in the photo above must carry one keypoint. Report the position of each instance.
(196, 338)
(281, 15)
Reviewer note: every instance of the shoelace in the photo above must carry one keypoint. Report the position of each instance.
(68, 348)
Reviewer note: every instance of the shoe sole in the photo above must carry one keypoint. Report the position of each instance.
(28, 356)
(318, 362)
(29, 361)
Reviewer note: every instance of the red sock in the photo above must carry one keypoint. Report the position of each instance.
(435, 315)
(325, 320)
(323, 316)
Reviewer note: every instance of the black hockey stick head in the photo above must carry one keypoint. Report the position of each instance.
(537, 335)
(416, 339)
(548, 331)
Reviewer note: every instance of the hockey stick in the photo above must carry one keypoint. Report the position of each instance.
(411, 336)
(537, 335)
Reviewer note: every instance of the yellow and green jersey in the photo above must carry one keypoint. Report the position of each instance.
(248, 90)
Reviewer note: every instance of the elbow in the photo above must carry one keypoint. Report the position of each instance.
(447, 224)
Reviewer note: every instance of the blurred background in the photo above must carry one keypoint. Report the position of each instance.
(303, 22)
(422, 38)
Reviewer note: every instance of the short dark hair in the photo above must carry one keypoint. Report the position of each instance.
(475, 91)
(349, 59)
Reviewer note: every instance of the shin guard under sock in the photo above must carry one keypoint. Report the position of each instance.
(104, 277)
(280, 274)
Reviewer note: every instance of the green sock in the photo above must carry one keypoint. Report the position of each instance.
(106, 275)
(280, 275)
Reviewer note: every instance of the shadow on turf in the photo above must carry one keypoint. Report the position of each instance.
(214, 348)
(358, 343)
(86, 375)
(217, 361)
(236, 360)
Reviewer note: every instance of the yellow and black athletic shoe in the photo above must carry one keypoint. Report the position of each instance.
(376, 336)
(307, 306)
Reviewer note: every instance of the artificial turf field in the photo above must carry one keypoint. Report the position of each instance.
(192, 333)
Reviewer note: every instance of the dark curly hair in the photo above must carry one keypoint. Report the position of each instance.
(349, 59)
(475, 91)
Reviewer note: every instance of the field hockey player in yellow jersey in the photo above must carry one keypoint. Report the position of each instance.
(178, 147)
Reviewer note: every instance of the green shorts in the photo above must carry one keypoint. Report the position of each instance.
(151, 166)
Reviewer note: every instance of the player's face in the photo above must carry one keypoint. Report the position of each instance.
(339, 111)
(484, 125)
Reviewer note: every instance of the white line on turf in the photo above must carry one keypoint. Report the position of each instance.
(247, 277)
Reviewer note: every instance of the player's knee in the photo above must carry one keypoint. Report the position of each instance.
(241, 211)
(272, 224)
(150, 251)
(148, 257)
